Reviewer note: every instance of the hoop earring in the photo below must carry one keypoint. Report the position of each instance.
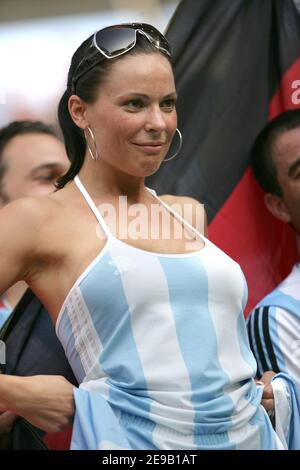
(179, 147)
(95, 158)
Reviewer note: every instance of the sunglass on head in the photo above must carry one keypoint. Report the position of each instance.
(116, 40)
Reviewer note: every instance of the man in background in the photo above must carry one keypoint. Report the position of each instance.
(274, 325)
(31, 159)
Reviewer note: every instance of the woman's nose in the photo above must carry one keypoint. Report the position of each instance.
(156, 120)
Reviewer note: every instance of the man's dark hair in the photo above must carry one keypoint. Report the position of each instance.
(263, 164)
(16, 128)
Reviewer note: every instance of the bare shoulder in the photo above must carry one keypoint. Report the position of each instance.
(22, 243)
(190, 209)
(28, 212)
(26, 222)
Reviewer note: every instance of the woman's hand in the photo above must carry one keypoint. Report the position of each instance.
(7, 420)
(268, 395)
(46, 401)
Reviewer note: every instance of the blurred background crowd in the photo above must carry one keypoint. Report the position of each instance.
(37, 39)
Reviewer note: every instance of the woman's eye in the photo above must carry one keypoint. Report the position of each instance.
(134, 104)
(168, 104)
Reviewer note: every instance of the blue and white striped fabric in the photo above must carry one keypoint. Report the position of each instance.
(95, 424)
(287, 410)
(274, 328)
(159, 342)
(5, 311)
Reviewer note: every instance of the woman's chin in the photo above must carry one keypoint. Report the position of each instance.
(148, 168)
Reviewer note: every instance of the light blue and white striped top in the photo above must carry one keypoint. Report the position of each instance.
(160, 339)
(5, 311)
(274, 328)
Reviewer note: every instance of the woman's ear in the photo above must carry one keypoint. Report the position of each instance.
(77, 110)
(276, 205)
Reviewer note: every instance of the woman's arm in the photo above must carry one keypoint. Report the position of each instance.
(20, 240)
(46, 401)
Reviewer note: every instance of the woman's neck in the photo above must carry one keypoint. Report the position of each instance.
(99, 178)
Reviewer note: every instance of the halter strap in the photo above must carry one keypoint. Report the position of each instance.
(93, 207)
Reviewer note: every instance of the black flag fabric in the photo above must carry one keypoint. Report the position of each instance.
(236, 65)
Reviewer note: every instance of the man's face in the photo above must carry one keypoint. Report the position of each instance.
(286, 157)
(33, 163)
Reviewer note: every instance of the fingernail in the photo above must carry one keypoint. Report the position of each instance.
(259, 382)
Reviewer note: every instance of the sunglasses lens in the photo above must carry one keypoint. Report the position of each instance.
(156, 37)
(115, 40)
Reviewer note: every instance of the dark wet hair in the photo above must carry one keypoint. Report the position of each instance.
(262, 160)
(87, 88)
(16, 128)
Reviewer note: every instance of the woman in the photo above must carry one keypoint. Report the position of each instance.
(150, 313)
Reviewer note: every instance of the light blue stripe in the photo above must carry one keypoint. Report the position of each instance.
(280, 299)
(120, 359)
(260, 419)
(4, 314)
(139, 431)
(188, 294)
(95, 425)
(290, 303)
(266, 431)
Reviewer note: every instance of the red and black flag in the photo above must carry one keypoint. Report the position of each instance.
(237, 64)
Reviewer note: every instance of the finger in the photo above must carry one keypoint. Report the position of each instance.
(267, 377)
(268, 404)
(268, 392)
(6, 421)
(259, 383)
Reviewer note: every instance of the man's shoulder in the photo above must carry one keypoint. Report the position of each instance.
(291, 283)
(286, 294)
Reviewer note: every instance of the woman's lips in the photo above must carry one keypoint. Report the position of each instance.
(150, 147)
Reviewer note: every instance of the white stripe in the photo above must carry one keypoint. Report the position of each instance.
(97, 385)
(245, 436)
(166, 439)
(224, 275)
(282, 410)
(154, 330)
(288, 330)
(87, 341)
(291, 284)
(225, 282)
